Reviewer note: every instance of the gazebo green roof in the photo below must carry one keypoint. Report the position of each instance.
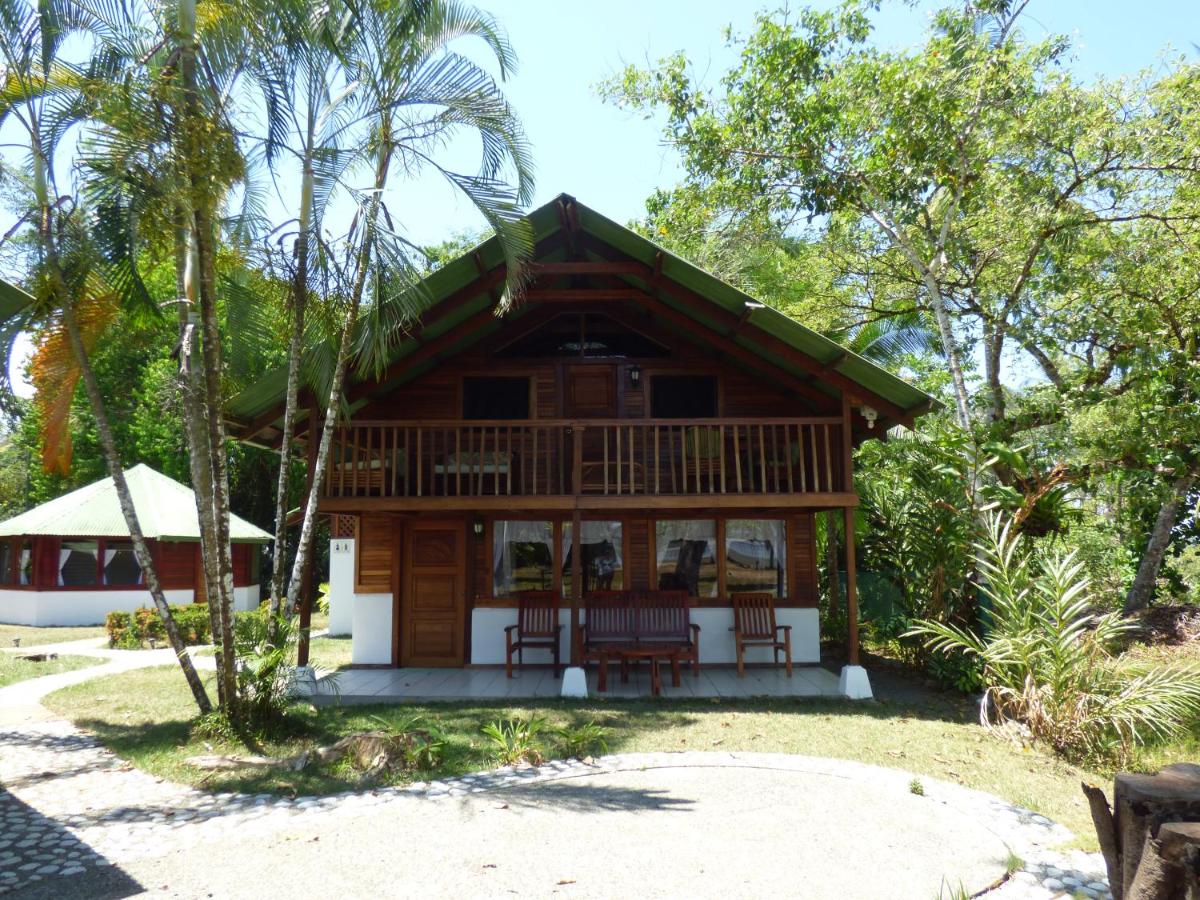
(166, 511)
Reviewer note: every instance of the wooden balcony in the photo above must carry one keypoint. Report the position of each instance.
(590, 463)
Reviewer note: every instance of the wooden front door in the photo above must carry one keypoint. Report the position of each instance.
(433, 593)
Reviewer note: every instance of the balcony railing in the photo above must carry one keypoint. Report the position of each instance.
(605, 457)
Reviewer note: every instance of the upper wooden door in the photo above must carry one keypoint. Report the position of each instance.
(590, 392)
(433, 593)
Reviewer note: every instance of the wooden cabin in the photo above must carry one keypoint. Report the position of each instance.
(630, 423)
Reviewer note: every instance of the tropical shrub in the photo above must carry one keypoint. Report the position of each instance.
(131, 631)
(264, 670)
(1047, 658)
(585, 740)
(516, 740)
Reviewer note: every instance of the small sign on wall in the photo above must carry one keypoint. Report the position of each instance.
(340, 546)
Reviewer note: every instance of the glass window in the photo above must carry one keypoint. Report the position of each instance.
(6, 562)
(686, 550)
(120, 563)
(25, 572)
(756, 556)
(77, 562)
(495, 398)
(600, 543)
(683, 396)
(522, 557)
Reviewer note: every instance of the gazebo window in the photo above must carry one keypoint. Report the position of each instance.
(25, 565)
(522, 557)
(120, 563)
(78, 563)
(6, 562)
(756, 556)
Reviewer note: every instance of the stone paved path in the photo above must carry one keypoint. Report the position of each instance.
(69, 807)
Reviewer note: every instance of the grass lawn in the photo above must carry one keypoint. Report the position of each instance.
(34, 637)
(145, 716)
(14, 669)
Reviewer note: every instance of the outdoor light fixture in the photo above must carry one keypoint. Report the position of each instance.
(477, 527)
(635, 376)
(869, 414)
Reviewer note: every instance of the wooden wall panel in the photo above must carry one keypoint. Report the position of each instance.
(177, 565)
(243, 564)
(45, 562)
(637, 563)
(375, 549)
(803, 548)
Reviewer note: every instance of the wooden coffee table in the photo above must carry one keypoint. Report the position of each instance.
(654, 654)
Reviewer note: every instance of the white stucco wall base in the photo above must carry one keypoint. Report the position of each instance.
(716, 639)
(372, 629)
(43, 608)
(245, 598)
(341, 586)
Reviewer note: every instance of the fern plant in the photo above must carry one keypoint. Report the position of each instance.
(1048, 661)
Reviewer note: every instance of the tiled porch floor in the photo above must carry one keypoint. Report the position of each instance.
(400, 685)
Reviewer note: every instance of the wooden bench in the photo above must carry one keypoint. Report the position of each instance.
(631, 625)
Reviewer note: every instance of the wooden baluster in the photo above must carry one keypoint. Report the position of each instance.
(657, 467)
(828, 461)
(696, 456)
(604, 428)
(709, 459)
(617, 435)
(534, 457)
(562, 481)
(721, 438)
(354, 471)
(341, 460)
(816, 459)
(646, 461)
(549, 468)
(671, 454)
(787, 449)
(496, 460)
(420, 463)
(762, 461)
(508, 443)
(775, 457)
(632, 460)
(737, 454)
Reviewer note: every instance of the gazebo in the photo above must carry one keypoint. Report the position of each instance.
(70, 561)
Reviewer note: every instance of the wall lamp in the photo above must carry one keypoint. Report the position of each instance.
(477, 527)
(635, 376)
(869, 414)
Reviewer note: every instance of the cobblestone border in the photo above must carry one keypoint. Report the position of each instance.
(51, 768)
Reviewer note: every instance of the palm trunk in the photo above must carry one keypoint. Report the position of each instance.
(140, 550)
(295, 349)
(304, 545)
(194, 412)
(202, 225)
(1142, 589)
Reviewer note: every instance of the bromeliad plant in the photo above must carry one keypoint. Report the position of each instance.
(1048, 661)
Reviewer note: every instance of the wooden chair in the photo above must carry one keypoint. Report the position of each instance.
(610, 624)
(537, 628)
(754, 626)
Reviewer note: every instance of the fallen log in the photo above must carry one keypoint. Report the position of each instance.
(1150, 837)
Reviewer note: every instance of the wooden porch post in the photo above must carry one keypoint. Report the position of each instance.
(851, 590)
(576, 540)
(306, 576)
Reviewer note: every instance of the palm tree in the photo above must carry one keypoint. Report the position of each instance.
(46, 95)
(414, 93)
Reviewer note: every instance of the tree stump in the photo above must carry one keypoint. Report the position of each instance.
(1150, 837)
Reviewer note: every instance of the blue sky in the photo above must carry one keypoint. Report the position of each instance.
(612, 160)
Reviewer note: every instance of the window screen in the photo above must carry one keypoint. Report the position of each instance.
(683, 396)
(495, 398)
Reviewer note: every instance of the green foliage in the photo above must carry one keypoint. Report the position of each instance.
(263, 667)
(582, 740)
(916, 788)
(1048, 662)
(132, 631)
(516, 740)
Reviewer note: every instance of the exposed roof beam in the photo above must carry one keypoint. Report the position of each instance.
(586, 267)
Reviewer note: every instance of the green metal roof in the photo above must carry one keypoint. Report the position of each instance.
(12, 299)
(767, 326)
(166, 511)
